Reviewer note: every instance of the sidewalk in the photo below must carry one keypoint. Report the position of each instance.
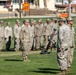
(4, 15)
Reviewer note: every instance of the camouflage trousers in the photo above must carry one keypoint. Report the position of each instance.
(1, 43)
(26, 49)
(31, 42)
(38, 42)
(70, 56)
(34, 42)
(17, 44)
(55, 38)
(62, 59)
(42, 40)
(46, 38)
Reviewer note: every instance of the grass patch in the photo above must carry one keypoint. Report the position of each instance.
(39, 64)
(11, 62)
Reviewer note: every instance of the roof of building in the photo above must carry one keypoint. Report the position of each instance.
(64, 5)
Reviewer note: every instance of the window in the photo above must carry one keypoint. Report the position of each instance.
(32, 1)
(58, 0)
(2, 2)
(16, 1)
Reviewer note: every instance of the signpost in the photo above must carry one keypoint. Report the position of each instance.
(20, 8)
(26, 7)
(69, 10)
(63, 15)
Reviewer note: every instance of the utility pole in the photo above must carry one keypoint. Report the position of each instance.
(45, 3)
(19, 8)
(69, 9)
(62, 2)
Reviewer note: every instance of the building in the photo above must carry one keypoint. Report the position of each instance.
(65, 2)
(36, 4)
(51, 5)
(63, 6)
(3, 5)
(39, 4)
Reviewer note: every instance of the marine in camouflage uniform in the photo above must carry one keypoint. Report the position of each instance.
(34, 34)
(47, 31)
(17, 29)
(31, 27)
(25, 39)
(1, 35)
(62, 46)
(38, 34)
(54, 26)
(71, 42)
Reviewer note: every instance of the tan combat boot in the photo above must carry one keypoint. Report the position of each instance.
(63, 72)
(26, 59)
(68, 68)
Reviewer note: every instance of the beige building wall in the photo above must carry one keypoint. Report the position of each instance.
(51, 4)
(3, 9)
(41, 3)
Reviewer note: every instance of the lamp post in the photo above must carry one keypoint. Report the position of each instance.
(19, 8)
(45, 4)
(62, 2)
(69, 9)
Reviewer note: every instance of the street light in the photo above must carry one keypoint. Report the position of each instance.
(69, 9)
(20, 8)
(62, 2)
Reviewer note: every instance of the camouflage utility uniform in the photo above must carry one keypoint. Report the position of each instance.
(25, 39)
(62, 46)
(47, 31)
(38, 34)
(71, 42)
(17, 29)
(1, 36)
